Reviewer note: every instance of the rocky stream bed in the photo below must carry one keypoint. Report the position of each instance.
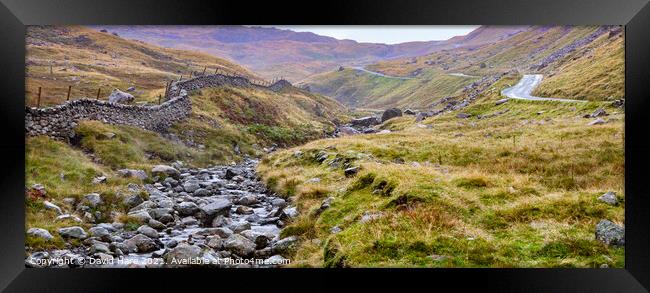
(222, 216)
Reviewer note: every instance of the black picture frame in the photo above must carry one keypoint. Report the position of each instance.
(635, 15)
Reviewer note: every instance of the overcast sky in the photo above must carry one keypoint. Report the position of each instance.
(386, 34)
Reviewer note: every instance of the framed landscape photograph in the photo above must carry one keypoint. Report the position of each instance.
(410, 140)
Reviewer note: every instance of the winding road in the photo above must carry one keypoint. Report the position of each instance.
(525, 86)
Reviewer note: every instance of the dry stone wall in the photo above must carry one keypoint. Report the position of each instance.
(219, 80)
(59, 121)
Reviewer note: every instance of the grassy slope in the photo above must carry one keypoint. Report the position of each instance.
(105, 61)
(583, 74)
(598, 75)
(358, 88)
(516, 190)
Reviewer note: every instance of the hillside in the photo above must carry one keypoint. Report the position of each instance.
(567, 56)
(294, 55)
(87, 60)
(513, 185)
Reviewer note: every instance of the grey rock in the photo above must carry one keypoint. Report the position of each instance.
(191, 186)
(218, 207)
(239, 226)
(201, 192)
(141, 215)
(132, 200)
(187, 208)
(40, 233)
(239, 245)
(99, 232)
(140, 174)
(166, 171)
(182, 253)
(148, 231)
(247, 200)
(349, 172)
(391, 113)
(284, 245)
(596, 122)
(100, 179)
(609, 198)
(73, 232)
(609, 233)
(118, 96)
(93, 199)
(142, 243)
(365, 121)
(51, 206)
(156, 224)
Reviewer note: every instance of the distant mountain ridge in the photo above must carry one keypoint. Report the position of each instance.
(294, 55)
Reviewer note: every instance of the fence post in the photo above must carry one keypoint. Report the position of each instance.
(38, 101)
(69, 90)
(216, 71)
(99, 90)
(159, 99)
(51, 72)
(204, 68)
(191, 73)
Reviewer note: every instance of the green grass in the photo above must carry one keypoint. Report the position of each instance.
(64, 172)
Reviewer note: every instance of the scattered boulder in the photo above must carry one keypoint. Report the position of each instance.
(600, 112)
(132, 200)
(40, 233)
(73, 232)
(409, 112)
(166, 171)
(609, 233)
(50, 206)
(463, 115)
(609, 198)
(99, 180)
(140, 174)
(596, 122)
(118, 96)
(349, 172)
(347, 130)
(619, 103)
(284, 245)
(365, 121)
(391, 113)
(93, 199)
(100, 232)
